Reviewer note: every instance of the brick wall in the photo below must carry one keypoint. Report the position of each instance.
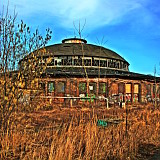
(71, 88)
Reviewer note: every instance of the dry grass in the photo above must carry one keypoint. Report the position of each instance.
(73, 134)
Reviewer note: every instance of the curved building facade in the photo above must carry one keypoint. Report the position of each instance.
(79, 72)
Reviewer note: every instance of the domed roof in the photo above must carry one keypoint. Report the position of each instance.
(73, 48)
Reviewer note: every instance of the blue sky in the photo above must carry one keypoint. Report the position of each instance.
(129, 27)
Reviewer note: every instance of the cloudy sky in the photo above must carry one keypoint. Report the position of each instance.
(129, 27)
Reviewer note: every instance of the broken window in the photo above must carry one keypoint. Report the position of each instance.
(87, 61)
(41, 86)
(75, 60)
(103, 63)
(148, 95)
(67, 61)
(95, 62)
(92, 87)
(82, 87)
(60, 87)
(78, 61)
(51, 87)
(58, 61)
(125, 66)
(110, 63)
(51, 62)
(121, 65)
(102, 88)
(117, 64)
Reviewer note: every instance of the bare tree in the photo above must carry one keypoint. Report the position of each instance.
(17, 42)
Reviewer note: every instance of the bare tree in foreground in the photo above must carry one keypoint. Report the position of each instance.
(17, 42)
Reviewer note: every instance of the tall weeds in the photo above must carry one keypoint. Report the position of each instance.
(79, 137)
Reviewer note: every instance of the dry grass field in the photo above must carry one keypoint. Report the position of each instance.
(73, 133)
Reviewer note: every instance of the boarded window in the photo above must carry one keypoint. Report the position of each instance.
(136, 88)
(102, 87)
(114, 89)
(121, 91)
(128, 92)
(121, 88)
(148, 89)
(82, 87)
(128, 88)
(92, 87)
(50, 87)
(60, 87)
(136, 93)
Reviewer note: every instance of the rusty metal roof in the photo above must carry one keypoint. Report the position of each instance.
(77, 49)
(95, 72)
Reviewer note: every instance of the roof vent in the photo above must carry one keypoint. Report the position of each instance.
(74, 40)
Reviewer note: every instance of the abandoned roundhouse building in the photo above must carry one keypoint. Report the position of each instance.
(83, 73)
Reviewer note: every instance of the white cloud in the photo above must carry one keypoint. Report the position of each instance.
(96, 12)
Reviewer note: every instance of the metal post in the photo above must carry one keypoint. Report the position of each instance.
(71, 102)
(107, 103)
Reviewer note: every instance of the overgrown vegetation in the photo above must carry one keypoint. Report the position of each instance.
(28, 132)
(66, 133)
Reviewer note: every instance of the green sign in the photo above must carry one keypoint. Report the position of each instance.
(101, 123)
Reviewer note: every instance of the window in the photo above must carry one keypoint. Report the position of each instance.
(51, 87)
(136, 88)
(58, 61)
(74, 60)
(82, 87)
(42, 86)
(110, 63)
(128, 92)
(121, 65)
(125, 66)
(136, 93)
(103, 63)
(121, 88)
(92, 88)
(51, 63)
(102, 87)
(60, 87)
(148, 89)
(128, 88)
(78, 62)
(154, 89)
(87, 62)
(69, 62)
(95, 62)
(117, 64)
